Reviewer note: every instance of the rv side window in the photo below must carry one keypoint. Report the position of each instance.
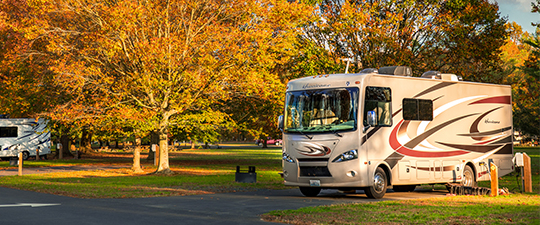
(417, 109)
(379, 99)
(7, 132)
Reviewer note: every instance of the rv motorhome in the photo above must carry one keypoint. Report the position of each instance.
(24, 135)
(382, 128)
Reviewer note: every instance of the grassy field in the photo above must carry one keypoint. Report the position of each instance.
(207, 171)
(196, 172)
(510, 209)
(514, 209)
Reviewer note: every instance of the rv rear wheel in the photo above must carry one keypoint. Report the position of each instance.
(378, 189)
(310, 191)
(25, 155)
(468, 179)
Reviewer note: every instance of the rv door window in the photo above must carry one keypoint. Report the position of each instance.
(417, 109)
(8, 132)
(379, 99)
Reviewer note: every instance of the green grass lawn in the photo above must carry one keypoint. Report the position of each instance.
(510, 209)
(514, 209)
(196, 172)
(205, 171)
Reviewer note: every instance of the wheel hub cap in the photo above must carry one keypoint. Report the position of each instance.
(379, 183)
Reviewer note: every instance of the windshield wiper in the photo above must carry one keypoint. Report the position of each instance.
(329, 126)
(306, 135)
(336, 133)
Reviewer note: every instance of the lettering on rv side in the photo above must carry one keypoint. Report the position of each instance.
(315, 86)
(492, 121)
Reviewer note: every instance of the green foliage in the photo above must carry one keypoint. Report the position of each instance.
(527, 93)
(203, 126)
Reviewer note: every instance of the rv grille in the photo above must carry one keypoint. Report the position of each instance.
(314, 171)
(313, 160)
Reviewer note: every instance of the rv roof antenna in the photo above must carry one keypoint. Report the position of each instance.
(348, 60)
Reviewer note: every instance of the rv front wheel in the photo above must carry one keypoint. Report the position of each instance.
(310, 191)
(468, 177)
(378, 189)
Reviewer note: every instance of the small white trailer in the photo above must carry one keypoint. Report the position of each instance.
(24, 135)
(381, 129)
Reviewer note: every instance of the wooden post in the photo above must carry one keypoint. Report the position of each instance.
(527, 173)
(37, 154)
(20, 163)
(156, 156)
(494, 180)
(59, 149)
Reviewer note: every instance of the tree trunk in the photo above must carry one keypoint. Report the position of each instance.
(192, 144)
(137, 156)
(86, 142)
(163, 163)
(265, 143)
(65, 141)
(154, 139)
(73, 148)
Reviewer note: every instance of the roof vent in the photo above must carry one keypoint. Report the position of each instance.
(452, 77)
(369, 70)
(396, 70)
(432, 75)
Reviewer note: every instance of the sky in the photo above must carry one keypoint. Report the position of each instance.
(520, 12)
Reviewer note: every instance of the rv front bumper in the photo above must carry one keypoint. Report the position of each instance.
(325, 174)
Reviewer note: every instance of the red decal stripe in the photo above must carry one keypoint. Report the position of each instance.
(496, 100)
(423, 154)
(394, 143)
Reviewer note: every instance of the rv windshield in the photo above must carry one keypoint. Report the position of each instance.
(317, 111)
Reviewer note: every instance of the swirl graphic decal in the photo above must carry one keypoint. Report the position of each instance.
(313, 149)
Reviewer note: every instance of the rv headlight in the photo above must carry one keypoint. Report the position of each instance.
(287, 158)
(349, 155)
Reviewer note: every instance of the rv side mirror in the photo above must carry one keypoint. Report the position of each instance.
(371, 118)
(280, 123)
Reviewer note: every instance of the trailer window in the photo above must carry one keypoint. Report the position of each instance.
(379, 99)
(7, 132)
(417, 109)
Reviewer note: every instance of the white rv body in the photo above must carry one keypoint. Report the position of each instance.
(464, 124)
(24, 135)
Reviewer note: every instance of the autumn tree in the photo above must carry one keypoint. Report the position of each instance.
(461, 37)
(26, 86)
(167, 57)
(526, 94)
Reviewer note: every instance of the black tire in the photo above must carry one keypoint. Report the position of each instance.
(310, 191)
(380, 182)
(468, 180)
(404, 188)
(25, 155)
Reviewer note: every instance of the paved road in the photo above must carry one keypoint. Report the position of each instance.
(23, 207)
